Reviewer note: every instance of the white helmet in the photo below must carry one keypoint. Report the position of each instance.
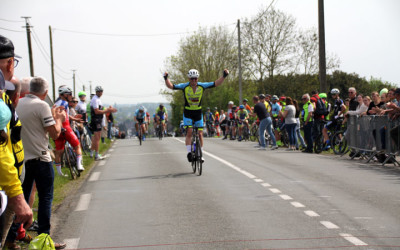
(98, 89)
(63, 89)
(141, 108)
(230, 103)
(193, 73)
(335, 91)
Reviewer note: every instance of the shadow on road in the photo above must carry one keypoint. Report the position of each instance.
(155, 177)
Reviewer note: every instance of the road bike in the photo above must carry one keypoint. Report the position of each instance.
(86, 141)
(197, 160)
(159, 132)
(210, 129)
(68, 160)
(140, 132)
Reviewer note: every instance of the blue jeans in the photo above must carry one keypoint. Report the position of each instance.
(43, 174)
(109, 136)
(266, 123)
(308, 135)
(291, 129)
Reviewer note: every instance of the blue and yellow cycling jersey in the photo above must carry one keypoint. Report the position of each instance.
(161, 113)
(209, 116)
(193, 98)
(242, 114)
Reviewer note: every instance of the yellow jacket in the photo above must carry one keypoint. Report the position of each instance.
(9, 181)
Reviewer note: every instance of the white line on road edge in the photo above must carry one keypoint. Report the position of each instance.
(356, 241)
(286, 197)
(296, 204)
(258, 180)
(102, 163)
(72, 243)
(329, 225)
(83, 203)
(265, 184)
(311, 213)
(275, 191)
(95, 176)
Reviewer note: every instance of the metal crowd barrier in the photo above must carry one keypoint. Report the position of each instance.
(371, 136)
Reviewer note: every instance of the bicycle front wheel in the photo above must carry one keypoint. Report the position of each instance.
(339, 143)
(253, 134)
(199, 161)
(319, 144)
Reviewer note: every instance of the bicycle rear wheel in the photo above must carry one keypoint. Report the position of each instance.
(140, 135)
(339, 143)
(194, 167)
(73, 160)
(67, 162)
(319, 144)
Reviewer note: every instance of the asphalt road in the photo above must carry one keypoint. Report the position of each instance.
(146, 197)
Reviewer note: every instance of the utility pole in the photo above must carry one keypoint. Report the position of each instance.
(322, 57)
(52, 65)
(28, 34)
(90, 86)
(73, 77)
(84, 88)
(240, 63)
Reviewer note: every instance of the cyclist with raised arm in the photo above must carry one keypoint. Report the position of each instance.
(162, 115)
(193, 94)
(65, 96)
(242, 116)
(140, 118)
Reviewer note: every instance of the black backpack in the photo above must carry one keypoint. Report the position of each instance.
(320, 108)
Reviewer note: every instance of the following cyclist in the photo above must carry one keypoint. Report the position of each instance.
(242, 116)
(230, 121)
(65, 96)
(209, 119)
(216, 120)
(140, 118)
(193, 95)
(162, 115)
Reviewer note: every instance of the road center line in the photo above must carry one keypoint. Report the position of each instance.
(297, 204)
(286, 197)
(265, 184)
(356, 241)
(275, 191)
(329, 225)
(258, 180)
(95, 176)
(72, 243)
(83, 203)
(311, 213)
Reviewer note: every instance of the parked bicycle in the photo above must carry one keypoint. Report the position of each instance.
(68, 160)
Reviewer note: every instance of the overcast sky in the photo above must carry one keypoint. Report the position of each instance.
(363, 33)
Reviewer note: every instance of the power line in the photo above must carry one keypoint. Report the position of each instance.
(11, 30)
(11, 21)
(41, 44)
(122, 35)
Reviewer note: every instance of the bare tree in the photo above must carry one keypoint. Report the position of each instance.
(306, 55)
(269, 43)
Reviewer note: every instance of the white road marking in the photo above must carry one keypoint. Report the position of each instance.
(275, 191)
(95, 176)
(155, 153)
(363, 218)
(286, 197)
(311, 213)
(297, 204)
(265, 184)
(102, 163)
(329, 225)
(354, 240)
(83, 203)
(258, 180)
(72, 243)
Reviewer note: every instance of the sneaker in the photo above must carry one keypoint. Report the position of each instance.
(224, 138)
(189, 157)
(202, 159)
(60, 245)
(262, 148)
(80, 168)
(34, 226)
(240, 138)
(99, 158)
(274, 147)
